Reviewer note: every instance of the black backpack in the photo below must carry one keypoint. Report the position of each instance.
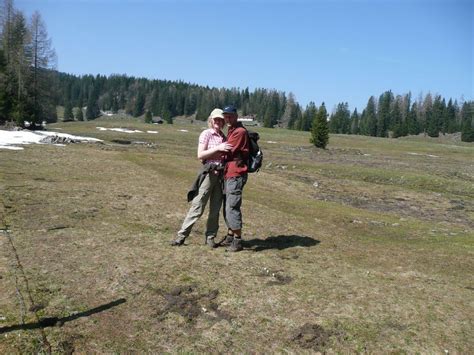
(255, 153)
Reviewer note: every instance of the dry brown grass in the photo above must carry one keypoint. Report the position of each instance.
(366, 261)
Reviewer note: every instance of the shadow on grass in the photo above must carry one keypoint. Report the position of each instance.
(280, 242)
(52, 321)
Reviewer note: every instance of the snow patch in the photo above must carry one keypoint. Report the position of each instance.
(426, 155)
(124, 130)
(10, 147)
(10, 139)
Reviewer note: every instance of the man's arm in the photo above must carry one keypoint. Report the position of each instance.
(238, 140)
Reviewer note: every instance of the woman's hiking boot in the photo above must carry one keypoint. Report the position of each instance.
(236, 245)
(211, 243)
(178, 241)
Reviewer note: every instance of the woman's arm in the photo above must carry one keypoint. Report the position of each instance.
(203, 153)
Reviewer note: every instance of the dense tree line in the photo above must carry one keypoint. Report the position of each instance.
(398, 116)
(392, 116)
(167, 99)
(27, 63)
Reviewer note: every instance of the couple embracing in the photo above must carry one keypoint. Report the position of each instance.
(220, 181)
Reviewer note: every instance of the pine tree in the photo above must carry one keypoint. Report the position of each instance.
(115, 105)
(370, 117)
(436, 122)
(405, 108)
(434, 118)
(396, 118)
(68, 115)
(431, 125)
(308, 116)
(295, 115)
(458, 119)
(426, 110)
(271, 115)
(79, 114)
(43, 60)
(355, 129)
(467, 114)
(450, 125)
(179, 103)
(267, 118)
(167, 117)
(148, 117)
(334, 124)
(340, 120)
(383, 114)
(155, 102)
(320, 129)
(139, 107)
(245, 109)
(288, 117)
(80, 99)
(204, 107)
(297, 118)
(105, 101)
(18, 61)
(246, 95)
(190, 101)
(3, 89)
(346, 119)
(92, 110)
(7, 15)
(413, 126)
(282, 101)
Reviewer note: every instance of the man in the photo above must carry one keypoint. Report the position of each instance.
(208, 185)
(235, 177)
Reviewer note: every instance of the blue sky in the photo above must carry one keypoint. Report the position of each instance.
(331, 51)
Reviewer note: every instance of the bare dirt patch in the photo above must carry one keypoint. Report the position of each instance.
(311, 336)
(190, 303)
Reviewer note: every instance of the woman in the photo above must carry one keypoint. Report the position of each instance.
(208, 186)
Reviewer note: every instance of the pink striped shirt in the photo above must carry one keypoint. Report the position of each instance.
(211, 139)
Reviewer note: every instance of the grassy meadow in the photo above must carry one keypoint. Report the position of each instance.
(364, 247)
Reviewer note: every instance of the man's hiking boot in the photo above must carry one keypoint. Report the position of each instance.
(177, 242)
(211, 243)
(236, 245)
(227, 242)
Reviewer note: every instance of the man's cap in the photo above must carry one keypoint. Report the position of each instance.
(216, 113)
(230, 109)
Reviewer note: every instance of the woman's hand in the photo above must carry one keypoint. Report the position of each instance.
(224, 147)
